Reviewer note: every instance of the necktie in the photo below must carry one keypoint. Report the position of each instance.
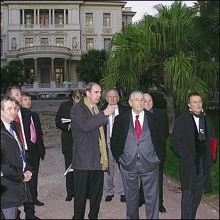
(33, 132)
(17, 119)
(93, 111)
(11, 130)
(138, 129)
(113, 117)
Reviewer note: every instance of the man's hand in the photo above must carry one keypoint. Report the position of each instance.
(27, 176)
(109, 110)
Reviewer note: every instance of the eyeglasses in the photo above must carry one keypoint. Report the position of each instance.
(138, 100)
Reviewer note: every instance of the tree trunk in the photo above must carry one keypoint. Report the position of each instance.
(170, 108)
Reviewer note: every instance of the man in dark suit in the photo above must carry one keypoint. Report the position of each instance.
(112, 98)
(66, 138)
(133, 142)
(23, 119)
(89, 151)
(15, 172)
(163, 132)
(191, 137)
(36, 149)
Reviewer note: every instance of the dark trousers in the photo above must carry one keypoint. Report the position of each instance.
(141, 193)
(87, 183)
(69, 176)
(34, 179)
(191, 199)
(161, 167)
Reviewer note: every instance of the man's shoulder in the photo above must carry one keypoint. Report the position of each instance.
(124, 114)
(123, 108)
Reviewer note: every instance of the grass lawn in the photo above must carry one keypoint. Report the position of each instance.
(171, 167)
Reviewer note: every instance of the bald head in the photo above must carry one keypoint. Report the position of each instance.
(148, 105)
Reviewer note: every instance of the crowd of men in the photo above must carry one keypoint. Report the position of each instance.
(100, 144)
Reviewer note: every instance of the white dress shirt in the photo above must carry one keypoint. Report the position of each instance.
(111, 120)
(196, 119)
(22, 128)
(141, 118)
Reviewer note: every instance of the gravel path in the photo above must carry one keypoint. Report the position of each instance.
(52, 193)
(52, 182)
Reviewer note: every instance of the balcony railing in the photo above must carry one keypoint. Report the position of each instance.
(52, 89)
(44, 48)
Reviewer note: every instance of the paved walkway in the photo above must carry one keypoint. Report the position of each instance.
(52, 182)
(52, 193)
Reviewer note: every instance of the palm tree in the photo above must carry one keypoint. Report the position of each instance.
(167, 42)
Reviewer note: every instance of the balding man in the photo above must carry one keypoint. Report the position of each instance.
(112, 98)
(163, 132)
(133, 142)
(89, 151)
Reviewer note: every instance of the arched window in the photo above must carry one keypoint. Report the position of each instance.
(14, 43)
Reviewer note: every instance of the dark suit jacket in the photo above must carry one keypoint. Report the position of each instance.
(183, 143)
(120, 131)
(85, 132)
(14, 194)
(66, 135)
(39, 147)
(162, 126)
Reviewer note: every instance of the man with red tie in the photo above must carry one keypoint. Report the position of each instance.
(133, 142)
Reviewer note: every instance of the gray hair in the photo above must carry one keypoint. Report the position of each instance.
(90, 85)
(115, 90)
(147, 94)
(133, 93)
(5, 98)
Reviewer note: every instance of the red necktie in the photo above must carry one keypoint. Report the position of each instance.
(17, 119)
(138, 129)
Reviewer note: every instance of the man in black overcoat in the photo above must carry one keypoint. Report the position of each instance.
(191, 137)
(66, 138)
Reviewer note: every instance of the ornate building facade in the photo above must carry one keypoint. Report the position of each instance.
(50, 36)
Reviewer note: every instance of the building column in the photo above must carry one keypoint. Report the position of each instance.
(65, 71)
(38, 16)
(68, 75)
(22, 16)
(52, 69)
(49, 16)
(53, 16)
(35, 19)
(35, 70)
(64, 16)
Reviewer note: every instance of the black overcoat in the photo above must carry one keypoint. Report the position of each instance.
(183, 143)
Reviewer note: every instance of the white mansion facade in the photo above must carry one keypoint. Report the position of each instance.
(50, 36)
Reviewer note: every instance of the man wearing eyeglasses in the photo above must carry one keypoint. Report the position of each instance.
(133, 142)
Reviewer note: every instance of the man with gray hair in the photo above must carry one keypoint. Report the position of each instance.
(133, 142)
(112, 98)
(89, 151)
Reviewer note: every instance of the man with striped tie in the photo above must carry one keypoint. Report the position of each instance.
(23, 119)
(14, 166)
